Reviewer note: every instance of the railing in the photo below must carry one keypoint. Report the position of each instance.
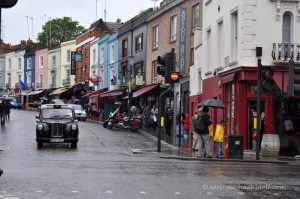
(66, 82)
(39, 85)
(286, 51)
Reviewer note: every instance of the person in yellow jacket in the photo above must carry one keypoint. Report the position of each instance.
(219, 137)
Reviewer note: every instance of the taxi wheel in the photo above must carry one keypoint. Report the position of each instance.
(73, 144)
(39, 144)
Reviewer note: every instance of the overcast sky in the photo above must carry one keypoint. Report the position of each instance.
(16, 27)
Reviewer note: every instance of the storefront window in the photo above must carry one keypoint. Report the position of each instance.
(230, 96)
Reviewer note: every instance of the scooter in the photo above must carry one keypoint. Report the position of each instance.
(132, 122)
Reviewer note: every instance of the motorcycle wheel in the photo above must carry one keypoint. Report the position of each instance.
(105, 124)
(109, 126)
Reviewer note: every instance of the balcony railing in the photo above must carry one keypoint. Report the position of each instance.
(39, 85)
(7, 85)
(17, 85)
(66, 82)
(285, 52)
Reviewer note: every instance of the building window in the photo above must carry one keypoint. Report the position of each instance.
(199, 82)
(9, 63)
(124, 48)
(53, 61)
(173, 28)
(138, 70)
(94, 57)
(86, 51)
(155, 37)
(287, 28)
(234, 36)
(208, 50)
(68, 73)
(41, 61)
(29, 63)
(139, 43)
(220, 44)
(195, 15)
(101, 55)
(68, 56)
(1, 64)
(19, 63)
(112, 54)
(154, 72)
(230, 98)
(192, 56)
(41, 78)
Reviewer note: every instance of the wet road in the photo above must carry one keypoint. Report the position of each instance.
(103, 166)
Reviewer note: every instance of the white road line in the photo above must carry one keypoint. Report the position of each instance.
(209, 193)
(177, 193)
(74, 191)
(241, 193)
(142, 192)
(39, 191)
(110, 192)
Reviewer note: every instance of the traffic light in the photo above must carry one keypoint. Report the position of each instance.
(294, 78)
(267, 81)
(162, 68)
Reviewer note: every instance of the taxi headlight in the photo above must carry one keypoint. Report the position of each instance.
(74, 127)
(40, 127)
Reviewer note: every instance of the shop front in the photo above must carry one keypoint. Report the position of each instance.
(235, 88)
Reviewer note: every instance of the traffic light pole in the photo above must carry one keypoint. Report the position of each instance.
(259, 68)
(161, 118)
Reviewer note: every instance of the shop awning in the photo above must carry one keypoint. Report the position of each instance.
(142, 91)
(35, 92)
(95, 93)
(111, 93)
(59, 91)
(23, 92)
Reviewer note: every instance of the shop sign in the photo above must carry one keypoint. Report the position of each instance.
(139, 80)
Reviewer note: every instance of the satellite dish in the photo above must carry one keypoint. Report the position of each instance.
(8, 3)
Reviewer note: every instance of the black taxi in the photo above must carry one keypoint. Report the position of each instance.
(56, 124)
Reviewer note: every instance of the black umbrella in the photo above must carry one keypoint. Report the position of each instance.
(212, 103)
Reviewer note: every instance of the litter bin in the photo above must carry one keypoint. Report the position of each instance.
(235, 147)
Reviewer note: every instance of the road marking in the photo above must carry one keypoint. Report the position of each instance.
(209, 193)
(110, 192)
(74, 191)
(142, 192)
(276, 194)
(177, 193)
(39, 191)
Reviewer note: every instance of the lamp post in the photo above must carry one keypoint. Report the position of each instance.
(130, 60)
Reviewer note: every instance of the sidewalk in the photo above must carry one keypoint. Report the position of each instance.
(170, 150)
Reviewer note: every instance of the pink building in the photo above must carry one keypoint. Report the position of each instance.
(41, 69)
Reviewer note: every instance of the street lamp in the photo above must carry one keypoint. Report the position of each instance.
(130, 60)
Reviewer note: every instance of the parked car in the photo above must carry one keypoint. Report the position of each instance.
(80, 113)
(14, 103)
(56, 124)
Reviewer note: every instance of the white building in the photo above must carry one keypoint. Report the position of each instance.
(226, 60)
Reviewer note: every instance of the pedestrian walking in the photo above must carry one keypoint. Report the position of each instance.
(146, 116)
(195, 145)
(7, 110)
(179, 124)
(169, 121)
(219, 137)
(186, 125)
(202, 122)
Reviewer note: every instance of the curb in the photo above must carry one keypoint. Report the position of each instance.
(223, 160)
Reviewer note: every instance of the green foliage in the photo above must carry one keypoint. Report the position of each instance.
(62, 29)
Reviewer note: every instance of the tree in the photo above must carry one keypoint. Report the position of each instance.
(60, 29)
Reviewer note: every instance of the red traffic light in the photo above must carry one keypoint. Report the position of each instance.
(267, 72)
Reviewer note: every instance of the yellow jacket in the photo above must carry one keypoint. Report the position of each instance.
(219, 135)
(211, 130)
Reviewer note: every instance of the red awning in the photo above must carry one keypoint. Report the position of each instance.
(95, 93)
(142, 91)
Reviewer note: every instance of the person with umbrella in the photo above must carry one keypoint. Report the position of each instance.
(201, 125)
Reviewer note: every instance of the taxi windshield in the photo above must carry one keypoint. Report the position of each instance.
(56, 113)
